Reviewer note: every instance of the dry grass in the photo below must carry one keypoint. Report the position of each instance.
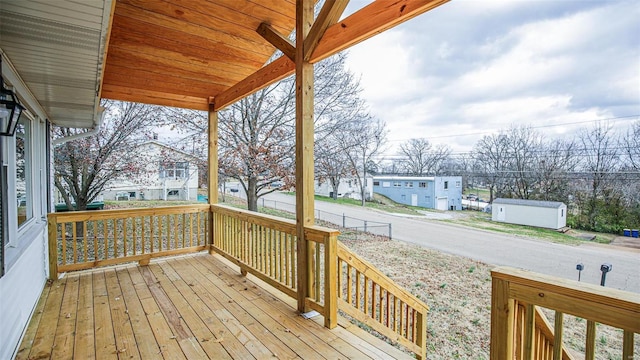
(458, 292)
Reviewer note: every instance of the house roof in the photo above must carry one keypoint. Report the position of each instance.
(170, 148)
(188, 54)
(534, 203)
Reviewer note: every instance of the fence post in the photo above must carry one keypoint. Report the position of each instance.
(421, 332)
(330, 280)
(344, 221)
(365, 225)
(389, 231)
(52, 230)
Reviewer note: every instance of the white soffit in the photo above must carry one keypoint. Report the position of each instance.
(57, 48)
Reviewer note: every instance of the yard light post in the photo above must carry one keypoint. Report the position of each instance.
(579, 267)
(605, 268)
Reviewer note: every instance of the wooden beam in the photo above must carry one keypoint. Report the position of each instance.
(304, 147)
(278, 40)
(329, 15)
(371, 20)
(367, 22)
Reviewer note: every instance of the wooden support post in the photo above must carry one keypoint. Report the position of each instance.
(627, 345)
(212, 158)
(52, 229)
(330, 280)
(304, 145)
(502, 317)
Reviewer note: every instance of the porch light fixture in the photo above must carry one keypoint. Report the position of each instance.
(10, 109)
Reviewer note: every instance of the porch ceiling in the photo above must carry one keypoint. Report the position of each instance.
(178, 53)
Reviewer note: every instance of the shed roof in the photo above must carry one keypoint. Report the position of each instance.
(534, 203)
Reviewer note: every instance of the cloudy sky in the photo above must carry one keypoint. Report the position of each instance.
(469, 68)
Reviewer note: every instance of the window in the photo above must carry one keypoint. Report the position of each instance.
(24, 190)
(173, 192)
(397, 184)
(132, 194)
(446, 185)
(457, 184)
(561, 212)
(176, 170)
(422, 184)
(408, 184)
(376, 183)
(386, 184)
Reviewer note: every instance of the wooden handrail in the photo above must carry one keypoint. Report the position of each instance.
(510, 287)
(369, 296)
(86, 239)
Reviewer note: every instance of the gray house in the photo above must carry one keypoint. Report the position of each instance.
(545, 214)
(433, 192)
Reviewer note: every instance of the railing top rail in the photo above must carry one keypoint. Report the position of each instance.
(614, 307)
(254, 217)
(73, 216)
(373, 273)
(317, 233)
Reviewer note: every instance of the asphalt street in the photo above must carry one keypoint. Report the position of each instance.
(499, 249)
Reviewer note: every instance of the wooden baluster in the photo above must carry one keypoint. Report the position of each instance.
(421, 335)
(365, 285)
(293, 264)
(318, 272)
(331, 266)
(105, 224)
(349, 284)
(590, 341)
(388, 313)
(74, 235)
(380, 306)
(529, 332)
(358, 301)
(627, 345)
(85, 241)
(95, 240)
(406, 320)
(557, 336)
(184, 230)
(125, 253)
(374, 300)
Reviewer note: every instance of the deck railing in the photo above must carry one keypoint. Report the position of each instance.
(263, 245)
(513, 333)
(372, 298)
(86, 239)
(266, 246)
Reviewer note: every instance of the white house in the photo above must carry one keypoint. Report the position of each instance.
(349, 187)
(169, 174)
(545, 214)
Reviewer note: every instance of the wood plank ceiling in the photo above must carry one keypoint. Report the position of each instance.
(180, 53)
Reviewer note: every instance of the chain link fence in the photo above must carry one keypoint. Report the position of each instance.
(351, 224)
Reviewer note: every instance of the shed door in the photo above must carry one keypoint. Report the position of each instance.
(501, 213)
(442, 204)
(414, 199)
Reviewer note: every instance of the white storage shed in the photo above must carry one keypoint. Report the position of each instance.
(545, 214)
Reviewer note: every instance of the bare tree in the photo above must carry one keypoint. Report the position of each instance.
(492, 162)
(600, 161)
(83, 167)
(557, 159)
(631, 146)
(362, 140)
(420, 157)
(523, 147)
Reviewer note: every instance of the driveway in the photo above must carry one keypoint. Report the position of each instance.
(498, 249)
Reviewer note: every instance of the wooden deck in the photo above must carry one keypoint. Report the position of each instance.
(190, 307)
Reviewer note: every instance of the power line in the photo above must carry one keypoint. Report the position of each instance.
(624, 118)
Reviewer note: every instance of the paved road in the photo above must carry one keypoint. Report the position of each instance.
(500, 249)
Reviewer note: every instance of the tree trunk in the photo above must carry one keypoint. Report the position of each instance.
(252, 196)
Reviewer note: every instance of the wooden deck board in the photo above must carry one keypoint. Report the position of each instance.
(179, 308)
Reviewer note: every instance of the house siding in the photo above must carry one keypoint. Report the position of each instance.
(20, 289)
(429, 197)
